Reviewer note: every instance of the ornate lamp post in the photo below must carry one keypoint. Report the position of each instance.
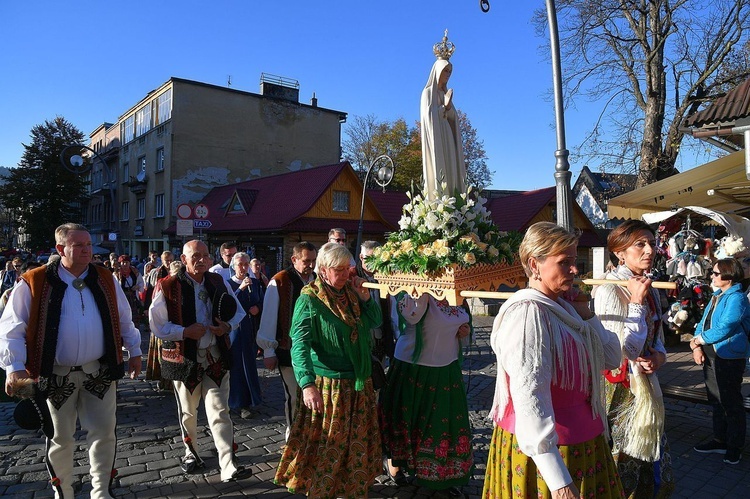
(383, 177)
(73, 159)
(562, 165)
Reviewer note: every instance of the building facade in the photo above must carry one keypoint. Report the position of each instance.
(185, 138)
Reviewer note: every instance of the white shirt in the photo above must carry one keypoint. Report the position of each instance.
(161, 326)
(81, 336)
(227, 272)
(526, 349)
(266, 337)
(440, 345)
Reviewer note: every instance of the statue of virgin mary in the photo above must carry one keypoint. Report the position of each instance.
(442, 147)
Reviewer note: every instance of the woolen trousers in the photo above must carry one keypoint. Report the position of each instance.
(97, 417)
(216, 401)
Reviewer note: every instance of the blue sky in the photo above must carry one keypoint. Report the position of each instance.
(90, 61)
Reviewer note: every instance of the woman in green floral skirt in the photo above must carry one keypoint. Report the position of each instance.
(424, 414)
(334, 447)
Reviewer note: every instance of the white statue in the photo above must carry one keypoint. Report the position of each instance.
(442, 147)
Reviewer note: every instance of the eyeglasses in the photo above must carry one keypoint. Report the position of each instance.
(715, 273)
(338, 240)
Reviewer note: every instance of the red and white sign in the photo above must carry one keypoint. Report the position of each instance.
(201, 211)
(184, 211)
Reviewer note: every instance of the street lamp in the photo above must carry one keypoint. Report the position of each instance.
(383, 177)
(562, 165)
(73, 160)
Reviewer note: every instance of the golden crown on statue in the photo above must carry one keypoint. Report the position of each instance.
(444, 49)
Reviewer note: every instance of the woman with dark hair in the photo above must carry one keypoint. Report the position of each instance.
(721, 345)
(634, 403)
(550, 436)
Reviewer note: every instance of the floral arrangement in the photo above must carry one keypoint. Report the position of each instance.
(446, 230)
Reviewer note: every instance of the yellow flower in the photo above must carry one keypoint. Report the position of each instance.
(440, 243)
(470, 258)
(407, 246)
(482, 246)
(471, 237)
(442, 251)
(397, 253)
(426, 250)
(492, 251)
(385, 256)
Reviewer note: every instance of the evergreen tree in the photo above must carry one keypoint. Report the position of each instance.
(40, 190)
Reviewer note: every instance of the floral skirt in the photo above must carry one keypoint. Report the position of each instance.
(425, 423)
(511, 473)
(337, 453)
(639, 478)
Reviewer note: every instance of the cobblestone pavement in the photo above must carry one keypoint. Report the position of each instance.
(149, 445)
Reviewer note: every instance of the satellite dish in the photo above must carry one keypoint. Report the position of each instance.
(141, 176)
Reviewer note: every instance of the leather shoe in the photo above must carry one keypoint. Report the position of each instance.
(399, 478)
(190, 463)
(240, 473)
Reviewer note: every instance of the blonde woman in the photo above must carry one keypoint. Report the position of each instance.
(550, 434)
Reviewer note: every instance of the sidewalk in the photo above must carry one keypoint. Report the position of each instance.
(149, 444)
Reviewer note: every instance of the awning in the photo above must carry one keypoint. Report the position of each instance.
(734, 224)
(724, 177)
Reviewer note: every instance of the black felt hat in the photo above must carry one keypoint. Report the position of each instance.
(224, 306)
(33, 414)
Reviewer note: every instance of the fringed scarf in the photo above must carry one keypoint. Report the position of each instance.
(638, 423)
(558, 324)
(344, 304)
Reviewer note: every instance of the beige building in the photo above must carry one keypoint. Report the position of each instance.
(185, 138)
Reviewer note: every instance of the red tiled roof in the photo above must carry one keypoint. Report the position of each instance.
(389, 203)
(516, 211)
(724, 110)
(278, 201)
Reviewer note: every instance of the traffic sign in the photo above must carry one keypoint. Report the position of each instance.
(202, 224)
(184, 211)
(184, 227)
(201, 211)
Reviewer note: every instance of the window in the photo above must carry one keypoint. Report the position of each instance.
(341, 201)
(125, 172)
(160, 159)
(141, 209)
(127, 129)
(159, 206)
(125, 213)
(142, 164)
(143, 120)
(163, 107)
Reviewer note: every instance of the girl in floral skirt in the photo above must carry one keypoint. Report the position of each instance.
(424, 415)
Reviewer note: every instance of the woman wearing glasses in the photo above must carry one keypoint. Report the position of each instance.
(721, 345)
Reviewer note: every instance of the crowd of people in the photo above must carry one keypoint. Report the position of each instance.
(578, 411)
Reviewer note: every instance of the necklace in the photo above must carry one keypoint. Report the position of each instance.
(78, 285)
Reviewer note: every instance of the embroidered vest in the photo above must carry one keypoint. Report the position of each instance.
(290, 285)
(47, 292)
(179, 358)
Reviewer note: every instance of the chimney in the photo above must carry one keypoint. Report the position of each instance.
(314, 101)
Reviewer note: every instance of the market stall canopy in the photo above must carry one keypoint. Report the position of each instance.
(720, 185)
(734, 224)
